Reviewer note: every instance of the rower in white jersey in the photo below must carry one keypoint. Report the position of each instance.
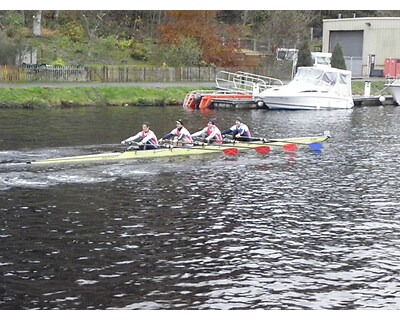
(180, 135)
(147, 138)
(239, 131)
(210, 134)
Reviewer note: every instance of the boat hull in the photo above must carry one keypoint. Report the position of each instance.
(306, 102)
(206, 100)
(179, 152)
(312, 88)
(394, 89)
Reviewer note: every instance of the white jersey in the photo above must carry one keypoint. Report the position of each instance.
(144, 137)
(242, 129)
(182, 134)
(210, 133)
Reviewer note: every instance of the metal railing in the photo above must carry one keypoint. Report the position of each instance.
(244, 81)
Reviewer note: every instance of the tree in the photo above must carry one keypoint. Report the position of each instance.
(212, 37)
(280, 28)
(11, 23)
(92, 24)
(337, 58)
(304, 59)
(37, 24)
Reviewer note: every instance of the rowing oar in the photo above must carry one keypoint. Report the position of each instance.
(259, 149)
(231, 152)
(290, 145)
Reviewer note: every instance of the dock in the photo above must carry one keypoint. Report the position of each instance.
(359, 101)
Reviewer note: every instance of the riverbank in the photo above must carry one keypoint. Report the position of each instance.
(33, 95)
(91, 95)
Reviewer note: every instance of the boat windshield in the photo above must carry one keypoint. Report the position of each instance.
(324, 79)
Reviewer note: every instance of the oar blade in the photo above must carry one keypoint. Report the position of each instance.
(263, 149)
(231, 152)
(290, 147)
(315, 146)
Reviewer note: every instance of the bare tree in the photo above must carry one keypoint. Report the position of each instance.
(92, 24)
(37, 24)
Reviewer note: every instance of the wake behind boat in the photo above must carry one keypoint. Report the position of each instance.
(229, 149)
(311, 88)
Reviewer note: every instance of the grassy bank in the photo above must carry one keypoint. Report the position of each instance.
(30, 97)
(376, 88)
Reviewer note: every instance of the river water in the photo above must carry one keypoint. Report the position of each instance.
(298, 230)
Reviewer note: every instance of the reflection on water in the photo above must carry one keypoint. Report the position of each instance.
(278, 231)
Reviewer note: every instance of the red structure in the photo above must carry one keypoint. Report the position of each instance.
(392, 68)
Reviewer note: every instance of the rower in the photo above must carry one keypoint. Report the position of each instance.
(180, 135)
(240, 131)
(210, 134)
(147, 138)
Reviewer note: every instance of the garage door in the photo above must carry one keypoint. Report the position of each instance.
(351, 43)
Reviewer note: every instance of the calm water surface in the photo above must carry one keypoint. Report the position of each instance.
(280, 231)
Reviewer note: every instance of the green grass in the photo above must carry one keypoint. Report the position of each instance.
(31, 97)
(376, 88)
(98, 96)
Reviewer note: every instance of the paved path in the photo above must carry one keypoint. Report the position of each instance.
(130, 84)
(108, 84)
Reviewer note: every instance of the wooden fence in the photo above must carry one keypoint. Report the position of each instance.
(130, 73)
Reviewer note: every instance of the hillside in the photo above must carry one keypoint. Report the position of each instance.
(156, 38)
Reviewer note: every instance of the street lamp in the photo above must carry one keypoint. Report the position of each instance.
(55, 52)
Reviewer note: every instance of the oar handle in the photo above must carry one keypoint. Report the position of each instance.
(204, 140)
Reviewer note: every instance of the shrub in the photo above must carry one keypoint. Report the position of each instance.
(8, 51)
(139, 51)
(59, 62)
(125, 44)
(74, 32)
(186, 53)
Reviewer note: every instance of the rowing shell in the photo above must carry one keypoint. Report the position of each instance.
(176, 152)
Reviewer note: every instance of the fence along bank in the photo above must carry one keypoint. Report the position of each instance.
(106, 73)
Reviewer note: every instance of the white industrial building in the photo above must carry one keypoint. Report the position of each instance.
(367, 43)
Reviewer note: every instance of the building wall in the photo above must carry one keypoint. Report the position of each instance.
(381, 37)
(26, 56)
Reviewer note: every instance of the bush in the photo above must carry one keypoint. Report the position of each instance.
(8, 51)
(186, 53)
(59, 62)
(139, 51)
(125, 44)
(12, 22)
(74, 32)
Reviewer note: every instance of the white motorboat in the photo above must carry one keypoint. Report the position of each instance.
(394, 88)
(311, 88)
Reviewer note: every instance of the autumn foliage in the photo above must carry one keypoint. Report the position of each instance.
(213, 38)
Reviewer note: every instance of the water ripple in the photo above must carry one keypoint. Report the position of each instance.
(281, 231)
